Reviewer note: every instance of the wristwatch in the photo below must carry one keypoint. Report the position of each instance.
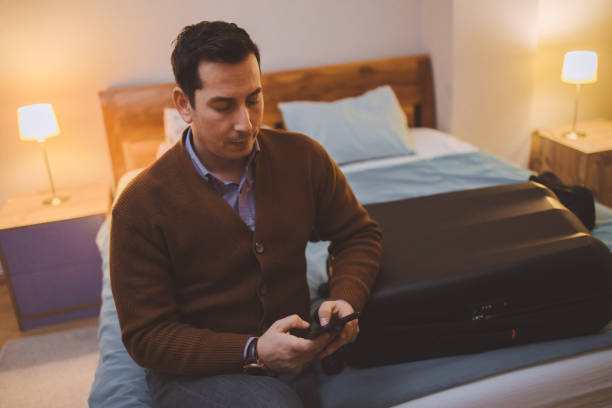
(252, 364)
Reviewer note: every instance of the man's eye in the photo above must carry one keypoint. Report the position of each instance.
(252, 101)
(222, 108)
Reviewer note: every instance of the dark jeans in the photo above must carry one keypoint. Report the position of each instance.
(234, 390)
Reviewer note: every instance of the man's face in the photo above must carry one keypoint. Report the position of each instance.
(228, 111)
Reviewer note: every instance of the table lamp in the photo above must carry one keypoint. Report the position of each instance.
(38, 122)
(579, 67)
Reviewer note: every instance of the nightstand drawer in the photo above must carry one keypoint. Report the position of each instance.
(38, 247)
(58, 289)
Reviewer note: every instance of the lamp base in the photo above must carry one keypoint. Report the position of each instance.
(55, 200)
(573, 134)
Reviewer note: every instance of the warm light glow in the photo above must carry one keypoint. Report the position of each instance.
(37, 122)
(579, 67)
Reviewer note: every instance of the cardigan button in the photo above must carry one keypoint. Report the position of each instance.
(259, 247)
(263, 289)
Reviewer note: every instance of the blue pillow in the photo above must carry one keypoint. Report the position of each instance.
(369, 126)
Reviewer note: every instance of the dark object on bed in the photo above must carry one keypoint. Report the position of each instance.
(578, 199)
(479, 269)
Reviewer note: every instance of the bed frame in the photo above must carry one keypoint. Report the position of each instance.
(133, 116)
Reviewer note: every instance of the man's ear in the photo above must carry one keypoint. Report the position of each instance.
(181, 101)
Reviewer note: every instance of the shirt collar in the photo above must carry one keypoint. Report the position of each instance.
(203, 171)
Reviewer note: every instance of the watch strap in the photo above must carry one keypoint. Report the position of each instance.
(252, 364)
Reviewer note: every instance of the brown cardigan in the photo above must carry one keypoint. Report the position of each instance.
(192, 282)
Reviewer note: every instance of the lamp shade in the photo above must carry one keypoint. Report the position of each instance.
(579, 67)
(37, 122)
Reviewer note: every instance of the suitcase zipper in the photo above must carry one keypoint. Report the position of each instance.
(500, 310)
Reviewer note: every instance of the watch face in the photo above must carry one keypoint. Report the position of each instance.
(254, 369)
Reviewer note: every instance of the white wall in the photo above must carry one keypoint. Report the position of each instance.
(567, 25)
(437, 17)
(64, 52)
(493, 60)
(497, 67)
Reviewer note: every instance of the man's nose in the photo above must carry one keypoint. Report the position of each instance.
(243, 121)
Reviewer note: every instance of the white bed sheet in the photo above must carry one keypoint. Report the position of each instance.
(580, 381)
(429, 143)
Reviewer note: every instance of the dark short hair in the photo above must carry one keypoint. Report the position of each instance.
(214, 41)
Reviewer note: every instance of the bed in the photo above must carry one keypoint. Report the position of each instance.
(569, 372)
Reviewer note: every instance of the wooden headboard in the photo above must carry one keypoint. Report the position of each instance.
(133, 116)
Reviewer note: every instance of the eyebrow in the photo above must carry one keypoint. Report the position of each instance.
(226, 99)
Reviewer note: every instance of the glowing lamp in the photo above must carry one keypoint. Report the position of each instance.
(579, 67)
(38, 122)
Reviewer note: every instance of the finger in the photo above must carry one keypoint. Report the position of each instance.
(347, 335)
(311, 346)
(290, 322)
(352, 331)
(323, 340)
(344, 307)
(334, 345)
(325, 312)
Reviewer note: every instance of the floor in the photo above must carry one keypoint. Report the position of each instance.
(9, 329)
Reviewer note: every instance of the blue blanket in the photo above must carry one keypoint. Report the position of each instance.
(119, 382)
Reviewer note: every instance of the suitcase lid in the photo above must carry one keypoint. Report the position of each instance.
(447, 254)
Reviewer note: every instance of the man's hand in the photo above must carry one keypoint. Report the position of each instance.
(349, 333)
(280, 351)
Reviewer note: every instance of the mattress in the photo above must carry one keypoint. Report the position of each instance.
(442, 164)
(580, 381)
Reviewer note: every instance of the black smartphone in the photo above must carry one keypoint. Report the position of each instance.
(316, 330)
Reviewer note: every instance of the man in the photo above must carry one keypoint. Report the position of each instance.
(207, 245)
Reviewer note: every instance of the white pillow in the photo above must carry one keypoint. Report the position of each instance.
(173, 126)
(369, 126)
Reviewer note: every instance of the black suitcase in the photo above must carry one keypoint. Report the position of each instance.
(480, 269)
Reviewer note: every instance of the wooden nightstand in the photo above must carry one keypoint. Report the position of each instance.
(586, 161)
(49, 254)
